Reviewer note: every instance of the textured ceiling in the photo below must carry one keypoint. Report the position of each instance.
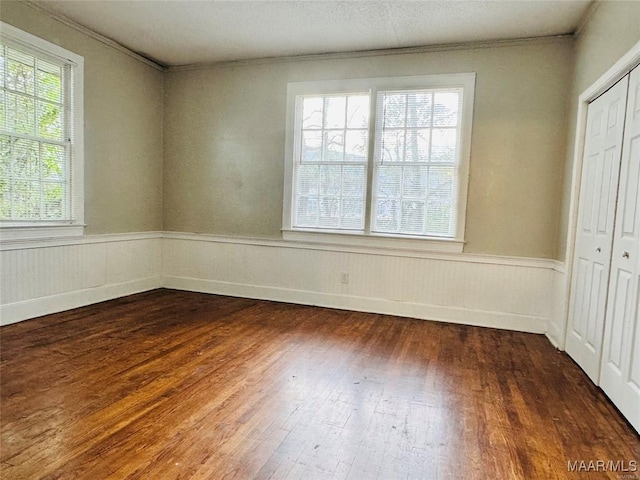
(192, 32)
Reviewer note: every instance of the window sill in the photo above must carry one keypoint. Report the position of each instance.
(15, 232)
(384, 242)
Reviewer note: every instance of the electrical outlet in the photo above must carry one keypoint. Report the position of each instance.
(344, 278)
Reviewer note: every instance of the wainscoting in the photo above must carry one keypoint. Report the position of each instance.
(501, 292)
(556, 326)
(489, 291)
(48, 276)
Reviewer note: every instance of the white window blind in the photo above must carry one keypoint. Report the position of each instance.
(36, 136)
(417, 157)
(330, 171)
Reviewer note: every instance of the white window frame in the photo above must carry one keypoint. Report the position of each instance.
(466, 81)
(37, 229)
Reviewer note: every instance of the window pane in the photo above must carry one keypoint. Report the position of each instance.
(393, 110)
(312, 112)
(4, 125)
(5, 171)
(419, 109)
(358, 111)
(329, 212)
(53, 194)
(439, 217)
(352, 213)
(307, 180)
(333, 146)
(392, 146)
(5, 198)
(442, 194)
(49, 81)
(443, 145)
(353, 181)
(5, 156)
(414, 183)
(335, 112)
(356, 145)
(50, 120)
(26, 200)
(412, 217)
(20, 114)
(307, 212)
(311, 146)
(386, 215)
(53, 161)
(25, 157)
(417, 149)
(445, 109)
(3, 63)
(442, 182)
(388, 181)
(20, 72)
(330, 179)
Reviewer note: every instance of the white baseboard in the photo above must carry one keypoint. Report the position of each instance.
(552, 340)
(466, 316)
(37, 307)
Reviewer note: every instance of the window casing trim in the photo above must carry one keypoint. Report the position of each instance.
(466, 81)
(27, 229)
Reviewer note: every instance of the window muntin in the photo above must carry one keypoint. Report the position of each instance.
(416, 167)
(40, 132)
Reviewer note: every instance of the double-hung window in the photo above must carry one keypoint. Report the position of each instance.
(41, 147)
(379, 157)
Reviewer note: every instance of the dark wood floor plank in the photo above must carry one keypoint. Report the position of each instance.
(173, 385)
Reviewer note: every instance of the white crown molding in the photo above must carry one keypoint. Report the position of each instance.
(41, 6)
(373, 53)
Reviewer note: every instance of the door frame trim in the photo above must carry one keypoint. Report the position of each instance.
(622, 67)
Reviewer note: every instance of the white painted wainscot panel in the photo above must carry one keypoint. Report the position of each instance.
(556, 328)
(47, 276)
(501, 292)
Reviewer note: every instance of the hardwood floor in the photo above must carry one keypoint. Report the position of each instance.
(168, 385)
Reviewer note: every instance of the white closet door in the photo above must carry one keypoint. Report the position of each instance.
(620, 375)
(594, 235)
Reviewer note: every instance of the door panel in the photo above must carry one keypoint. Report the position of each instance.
(594, 235)
(620, 375)
(595, 306)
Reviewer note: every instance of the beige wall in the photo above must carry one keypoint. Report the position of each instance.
(611, 31)
(224, 139)
(123, 127)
